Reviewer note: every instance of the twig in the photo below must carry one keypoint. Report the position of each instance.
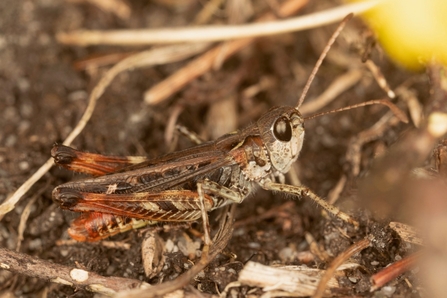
(205, 62)
(102, 60)
(353, 153)
(117, 7)
(11, 202)
(163, 55)
(380, 78)
(414, 106)
(171, 123)
(42, 269)
(335, 192)
(394, 270)
(109, 244)
(212, 33)
(353, 249)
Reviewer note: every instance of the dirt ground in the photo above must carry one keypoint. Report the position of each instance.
(44, 87)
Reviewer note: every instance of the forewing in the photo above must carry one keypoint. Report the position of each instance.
(157, 177)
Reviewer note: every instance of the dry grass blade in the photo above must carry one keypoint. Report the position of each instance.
(25, 214)
(212, 33)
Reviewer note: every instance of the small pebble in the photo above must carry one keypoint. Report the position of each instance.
(23, 165)
(388, 291)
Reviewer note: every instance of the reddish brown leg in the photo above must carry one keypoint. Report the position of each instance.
(96, 226)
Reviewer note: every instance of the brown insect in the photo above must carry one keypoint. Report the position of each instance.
(183, 186)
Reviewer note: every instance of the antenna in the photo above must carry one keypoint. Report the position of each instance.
(396, 111)
(321, 58)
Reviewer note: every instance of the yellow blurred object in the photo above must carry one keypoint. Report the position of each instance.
(413, 32)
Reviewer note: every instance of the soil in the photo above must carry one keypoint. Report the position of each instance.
(44, 90)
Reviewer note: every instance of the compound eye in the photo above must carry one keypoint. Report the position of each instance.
(282, 129)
